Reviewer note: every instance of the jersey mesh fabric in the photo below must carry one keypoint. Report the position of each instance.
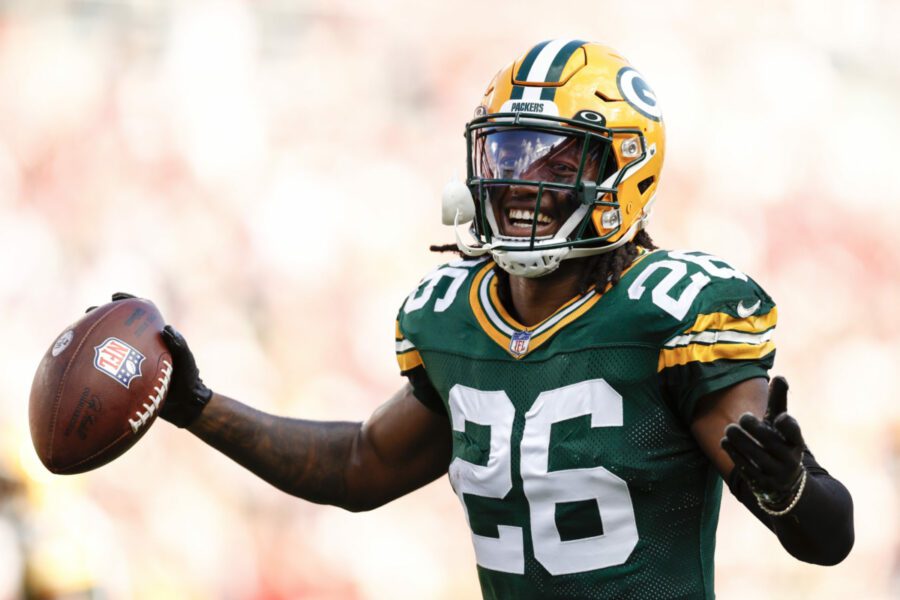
(671, 483)
(659, 342)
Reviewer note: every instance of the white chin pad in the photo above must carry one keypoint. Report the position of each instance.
(456, 197)
(534, 263)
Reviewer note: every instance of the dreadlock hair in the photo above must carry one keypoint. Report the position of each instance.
(600, 270)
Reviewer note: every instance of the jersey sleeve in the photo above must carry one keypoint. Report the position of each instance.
(726, 340)
(408, 357)
(412, 367)
(435, 308)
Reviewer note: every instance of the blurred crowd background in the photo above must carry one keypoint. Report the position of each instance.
(269, 174)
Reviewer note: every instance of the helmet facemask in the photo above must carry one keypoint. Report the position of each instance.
(546, 188)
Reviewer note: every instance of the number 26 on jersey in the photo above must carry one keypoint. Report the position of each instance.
(543, 489)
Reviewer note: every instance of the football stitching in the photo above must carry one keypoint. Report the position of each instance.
(75, 466)
(155, 401)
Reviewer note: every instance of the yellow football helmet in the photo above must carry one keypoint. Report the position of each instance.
(571, 127)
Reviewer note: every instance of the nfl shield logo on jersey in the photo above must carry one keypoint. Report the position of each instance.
(518, 345)
(118, 360)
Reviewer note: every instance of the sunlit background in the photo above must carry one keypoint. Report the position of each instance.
(269, 173)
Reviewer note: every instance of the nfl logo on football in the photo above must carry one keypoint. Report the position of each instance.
(118, 360)
(518, 345)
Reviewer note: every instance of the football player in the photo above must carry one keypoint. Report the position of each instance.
(586, 392)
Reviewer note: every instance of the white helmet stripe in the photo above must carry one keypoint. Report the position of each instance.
(541, 67)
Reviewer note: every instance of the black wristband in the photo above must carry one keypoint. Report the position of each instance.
(819, 529)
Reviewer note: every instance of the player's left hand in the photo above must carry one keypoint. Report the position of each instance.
(188, 395)
(768, 453)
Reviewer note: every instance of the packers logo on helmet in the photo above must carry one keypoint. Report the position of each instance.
(564, 156)
(637, 93)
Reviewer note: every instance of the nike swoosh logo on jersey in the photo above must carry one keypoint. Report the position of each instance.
(745, 312)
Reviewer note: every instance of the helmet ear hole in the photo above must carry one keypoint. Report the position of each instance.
(646, 183)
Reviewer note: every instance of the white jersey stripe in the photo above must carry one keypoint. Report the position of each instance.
(564, 313)
(500, 324)
(404, 345)
(713, 337)
(489, 309)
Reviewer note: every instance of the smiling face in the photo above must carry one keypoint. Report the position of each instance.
(527, 156)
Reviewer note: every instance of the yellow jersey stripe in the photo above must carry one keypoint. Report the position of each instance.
(510, 320)
(708, 353)
(563, 322)
(726, 322)
(409, 360)
(500, 309)
(495, 334)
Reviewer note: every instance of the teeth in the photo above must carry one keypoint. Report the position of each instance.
(518, 214)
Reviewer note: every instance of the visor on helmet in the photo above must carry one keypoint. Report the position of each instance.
(528, 155)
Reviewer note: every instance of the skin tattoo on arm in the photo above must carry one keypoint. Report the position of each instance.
(356, 466)
(303, 458)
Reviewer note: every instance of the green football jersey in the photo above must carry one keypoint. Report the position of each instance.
(572, 451)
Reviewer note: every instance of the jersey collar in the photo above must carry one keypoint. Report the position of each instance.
(517, 339)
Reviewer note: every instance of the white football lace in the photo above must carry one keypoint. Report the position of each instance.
(155, 401)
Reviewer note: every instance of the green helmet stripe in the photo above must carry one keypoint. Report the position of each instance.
(544, 63)
(525, 67)
(559, 62)
(554, 73)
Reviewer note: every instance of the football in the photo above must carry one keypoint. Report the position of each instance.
(99, 387)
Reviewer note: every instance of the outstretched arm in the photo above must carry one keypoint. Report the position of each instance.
(357, 466)
(771, 471)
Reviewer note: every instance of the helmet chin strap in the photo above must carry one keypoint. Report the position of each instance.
(463, 247)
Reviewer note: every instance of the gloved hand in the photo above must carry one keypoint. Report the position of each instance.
(187, 395)
(768, 453)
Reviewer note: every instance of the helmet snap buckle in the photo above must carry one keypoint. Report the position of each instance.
(588, 193)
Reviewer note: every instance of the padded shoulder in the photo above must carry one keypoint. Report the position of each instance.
(673, 292)
(436, 307)
(712, 323)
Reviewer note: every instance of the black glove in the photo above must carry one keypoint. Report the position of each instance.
(115, 298)
(768, 453)
(187, 395)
